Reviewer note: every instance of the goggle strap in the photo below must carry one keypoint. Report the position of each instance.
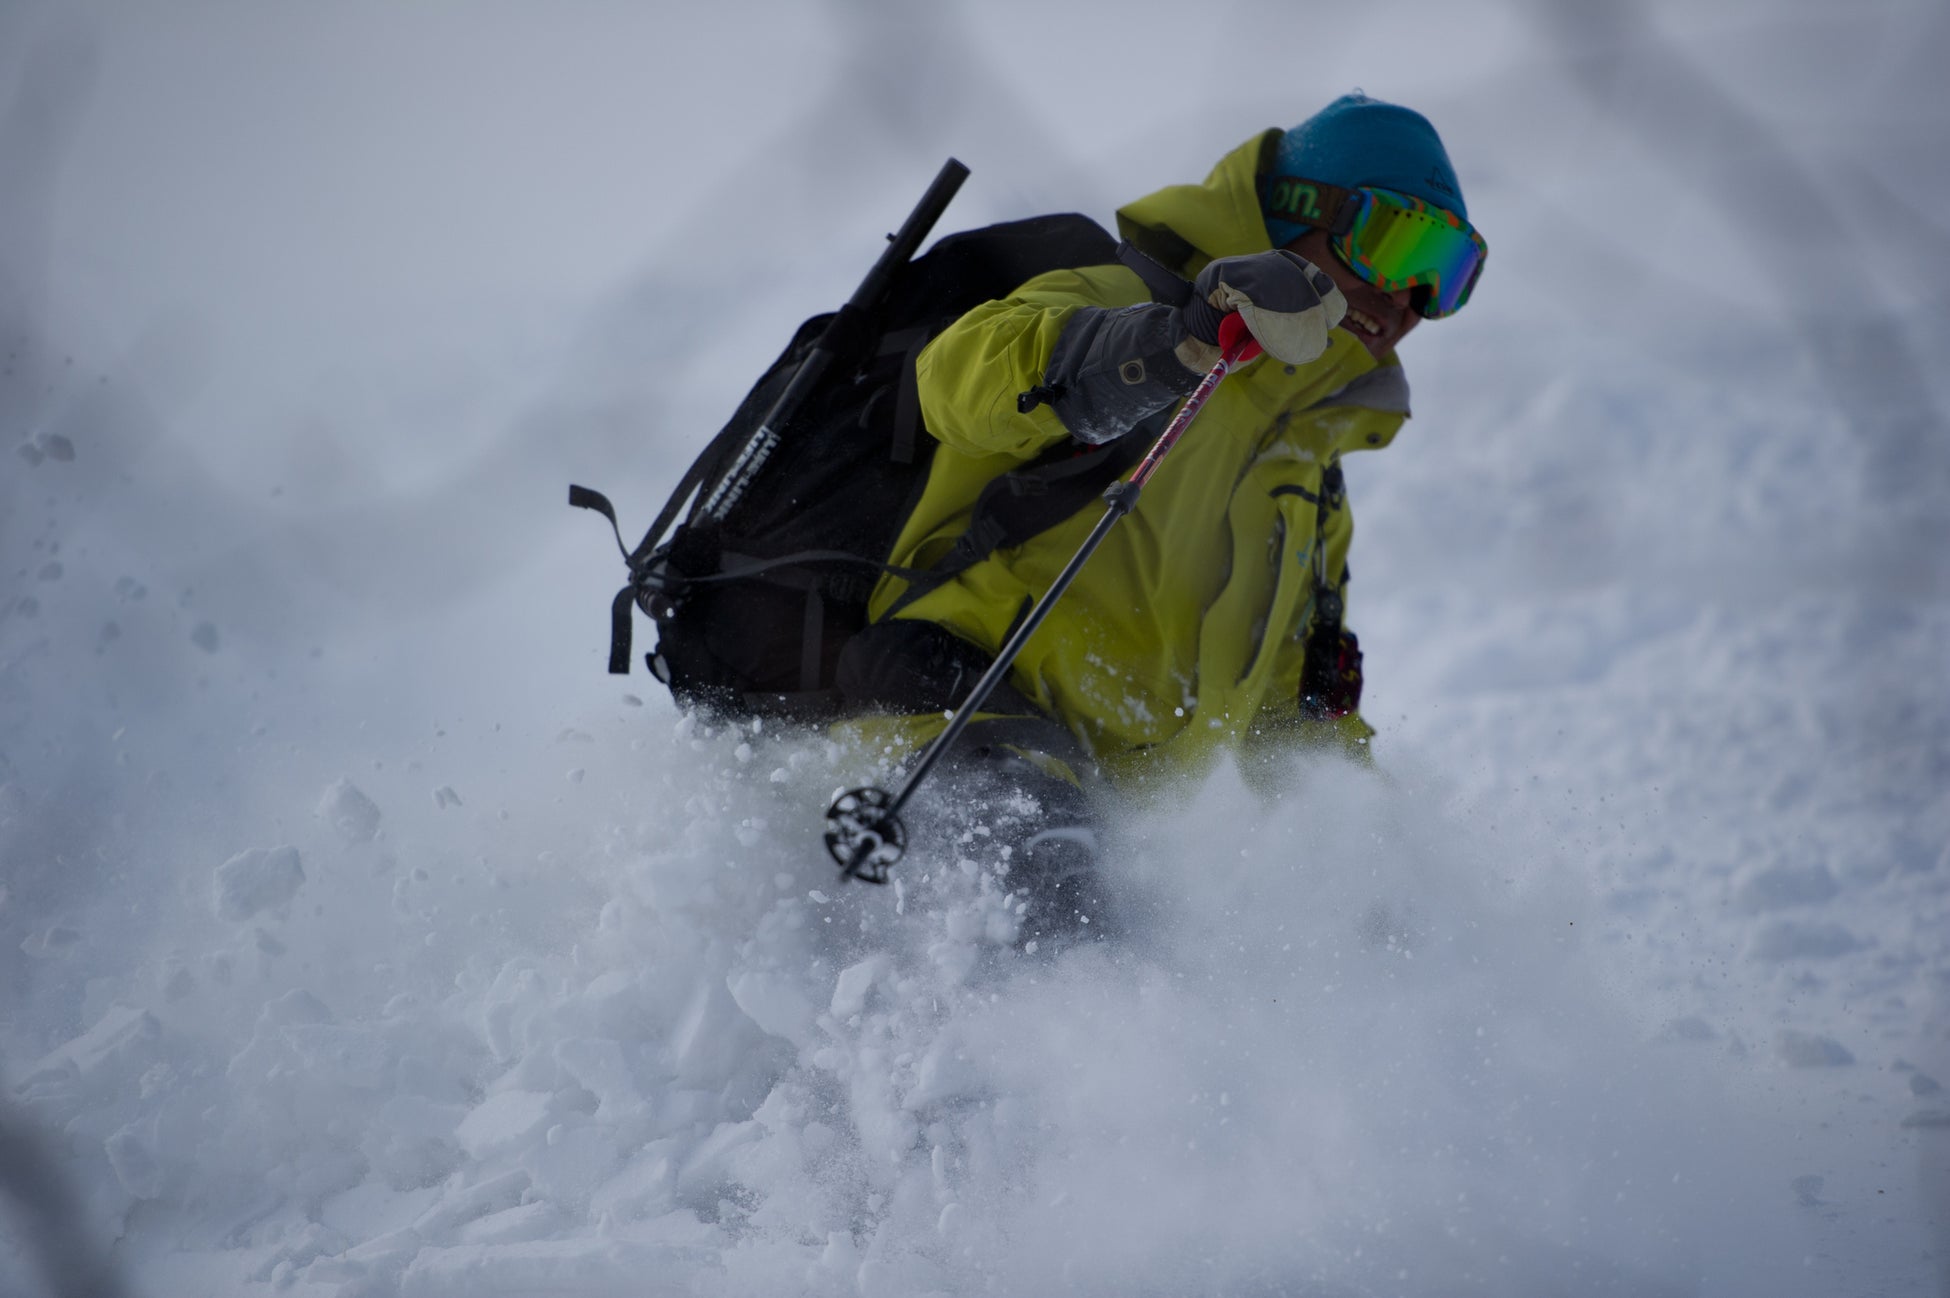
(1312, 202)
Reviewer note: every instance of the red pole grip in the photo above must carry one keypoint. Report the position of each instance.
(1236, 341)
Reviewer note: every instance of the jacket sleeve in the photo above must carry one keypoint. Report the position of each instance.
(1071, 337)
(1115, 367)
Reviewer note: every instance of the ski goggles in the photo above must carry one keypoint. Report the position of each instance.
(1390, 239)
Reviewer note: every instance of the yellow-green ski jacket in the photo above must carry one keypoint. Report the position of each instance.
(1185, 632)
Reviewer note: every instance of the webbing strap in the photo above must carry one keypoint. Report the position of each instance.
(1165, 286)
(1025, 502)
(844, 333)
(589, 498)
(620, 607)
(620, 610)
(907, 343)
(704, 466)
(1309, 202)
(752, 566)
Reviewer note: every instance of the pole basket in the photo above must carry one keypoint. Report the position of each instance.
(864, 834)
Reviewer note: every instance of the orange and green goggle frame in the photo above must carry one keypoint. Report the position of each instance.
(1390, 239)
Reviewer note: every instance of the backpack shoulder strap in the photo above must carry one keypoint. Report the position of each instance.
(1164, 284)
(1025, 502)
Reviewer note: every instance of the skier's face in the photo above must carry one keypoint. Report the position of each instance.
(1380, 320)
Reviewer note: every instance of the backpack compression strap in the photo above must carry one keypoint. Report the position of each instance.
(620, 607)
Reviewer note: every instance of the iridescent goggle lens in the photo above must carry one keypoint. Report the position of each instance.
(1397, 241)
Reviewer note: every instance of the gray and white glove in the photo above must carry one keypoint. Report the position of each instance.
(1114, 367)
(1290, 304)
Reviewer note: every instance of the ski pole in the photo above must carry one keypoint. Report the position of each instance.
(864, 831)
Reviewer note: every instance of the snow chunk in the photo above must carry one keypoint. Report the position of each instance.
(258, 880)
(463, 1204)
(571, 1162)
(409, 1143)
(851, 989)
(946, 1072)
(397, 1246)
(775, 1003)
(1787, 939)
(296, 1006)
(516, 1225)
(52, 942)
(504, 1122)
(516, 1000)
(205, 637)
(1806, 1050)
(120, 1037)
(544, 1266)
(707, 1040)
(350, 812)
(444, 797)
(1772, 887)
(642, 1189)
(598, 1066)
(710, 1162)
(132, 1157)
(351, 1056)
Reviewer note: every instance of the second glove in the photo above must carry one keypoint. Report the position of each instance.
(1290, 304)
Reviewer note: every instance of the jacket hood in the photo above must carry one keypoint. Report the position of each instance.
(1186, 226)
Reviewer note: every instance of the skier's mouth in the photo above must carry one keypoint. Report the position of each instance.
(1363, 322)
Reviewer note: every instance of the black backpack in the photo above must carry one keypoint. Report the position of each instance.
(793, 517)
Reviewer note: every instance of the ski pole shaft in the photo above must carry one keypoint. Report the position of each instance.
(985, 686)
(1237, 346)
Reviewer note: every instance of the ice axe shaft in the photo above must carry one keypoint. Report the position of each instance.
(864, 832)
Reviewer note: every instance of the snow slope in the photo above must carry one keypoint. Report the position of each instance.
(358, 936)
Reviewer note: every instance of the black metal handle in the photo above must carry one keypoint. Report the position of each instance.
(905, 242)
(848, 326)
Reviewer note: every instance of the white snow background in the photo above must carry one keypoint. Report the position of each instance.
(359, 936)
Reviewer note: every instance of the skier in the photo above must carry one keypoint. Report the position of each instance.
(1211, 618)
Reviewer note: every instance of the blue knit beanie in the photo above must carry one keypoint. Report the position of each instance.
(1361, 141)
